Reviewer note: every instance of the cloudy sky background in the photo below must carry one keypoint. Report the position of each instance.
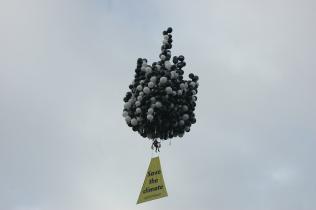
(66, 65)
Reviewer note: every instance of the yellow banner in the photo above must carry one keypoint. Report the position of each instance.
(154, 185)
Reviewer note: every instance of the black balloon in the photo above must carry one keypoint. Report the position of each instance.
(160, 103)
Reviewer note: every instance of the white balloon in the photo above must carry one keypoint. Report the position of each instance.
(162, 57)
(137, 103)
(146, 90)
(139, 88)
(138, 110)
(153, 79)
(158, 104)
(150, 111)
(128, 119)
(127, 105)
(134, 122)
(163, 80)
(168, 90)
(150, 117)
(168, 65)
(151, 84)
(153, 99)
(173, 74)
(148, 69)
(185, 117)
(125, 114)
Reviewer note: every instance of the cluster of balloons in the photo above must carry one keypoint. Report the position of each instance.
(160, 103)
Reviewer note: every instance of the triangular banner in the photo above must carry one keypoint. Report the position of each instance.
(154, 185)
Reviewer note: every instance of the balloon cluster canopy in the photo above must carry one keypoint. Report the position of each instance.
(160, 103)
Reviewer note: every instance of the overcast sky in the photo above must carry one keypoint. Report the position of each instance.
(65, 66)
